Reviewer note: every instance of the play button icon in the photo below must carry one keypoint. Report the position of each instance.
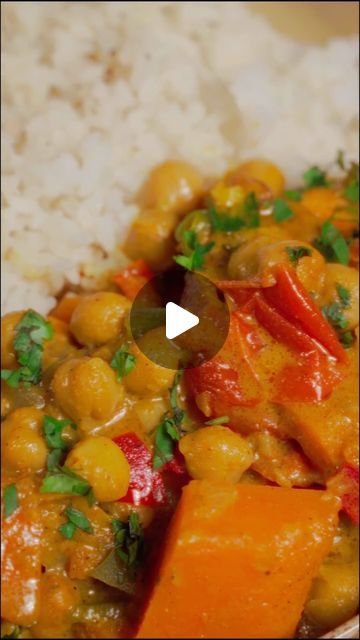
(178, 320)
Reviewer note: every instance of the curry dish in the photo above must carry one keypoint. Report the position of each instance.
(219, 501)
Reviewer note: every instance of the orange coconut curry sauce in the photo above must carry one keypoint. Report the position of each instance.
(141, 501)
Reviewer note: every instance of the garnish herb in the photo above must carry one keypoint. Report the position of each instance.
(52, 430)
(11, 500)
(123, 362)
(129, 540)
(281, 211)
(195, 260)
(250, 212)
(168, 432)
(332, 244)
(335, 316)
(31, 331)
(63, 480)
(315, 177)
(223, 221)
(76, 520)
(295, 253)
(215, 421)
(344, 295)
(293, 194)
(351, 192)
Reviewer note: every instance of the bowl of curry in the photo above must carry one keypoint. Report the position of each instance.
(215, 501)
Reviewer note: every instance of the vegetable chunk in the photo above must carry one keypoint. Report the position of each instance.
(20, 566)
(239, 561)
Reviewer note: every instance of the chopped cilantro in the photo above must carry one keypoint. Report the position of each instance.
(30, 332)
(123, 362)
(332, 244)
(344, 295)
(351, 192)
(347, 339)
(215, 421)
(293, 194)
(195, 259)
(315, 177)
(129, 540)
(54, 459)
(295, 253)
(11, 500)
(168, 432)
(223, 221)
(334, 315)
(63, 480)
(76, 520)
(282, 211)
(52, 429)
(250, 212)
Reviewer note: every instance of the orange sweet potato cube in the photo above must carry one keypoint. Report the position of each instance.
(239, 561)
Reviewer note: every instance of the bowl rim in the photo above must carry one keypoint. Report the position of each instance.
(349, 629)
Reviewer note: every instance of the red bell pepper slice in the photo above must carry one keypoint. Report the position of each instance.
(280, 328)
(290, 297)
(345, 484)
(146, 486)
(226, 376)
(133, 278)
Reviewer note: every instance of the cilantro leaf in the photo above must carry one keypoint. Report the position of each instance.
(54, 458)
(52, 429)
(195, 260)
(347, 339)
(223, 221)
(30, 332)
(334, 315)
(344, 295)
(64, 480)
(215, 421)
(315, 177)
(351, 192)
(166, 436)
(129, 540)
(11, 500)
(123, 362)
(295, 253)
(332, 244)
(282, 211)
(293, 194)
(76, 520)
(250, 212)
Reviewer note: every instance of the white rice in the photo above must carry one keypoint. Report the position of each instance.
(96, 93)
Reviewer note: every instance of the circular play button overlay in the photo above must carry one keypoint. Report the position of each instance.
(179, 319)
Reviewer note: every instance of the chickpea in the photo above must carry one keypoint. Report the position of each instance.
(151, 238)
(262, 171)
(244, 261)
(99, 317)
(323, 202)
(335, 595)
(347, 277)
(27, 417)
(310, 268)
(8, 324)
(172, 186)
(147, 377)
(86, 390)
(102, 463)
(216, 453)
(23, 449)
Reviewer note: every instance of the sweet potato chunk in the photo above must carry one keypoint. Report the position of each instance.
(20, 566)
(239, 561)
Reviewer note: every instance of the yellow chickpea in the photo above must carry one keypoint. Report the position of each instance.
(23, 449)
(28, 417)
(244, 261)
(99, 317)
(87, 391)
(347, 277)
(147, 377)
(8, 324)
(172, 186)
(102, 463)
(216, 453)
(265, 172)
(310, 268)
(335, 595)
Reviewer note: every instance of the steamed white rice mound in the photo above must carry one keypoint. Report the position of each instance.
(96, 93)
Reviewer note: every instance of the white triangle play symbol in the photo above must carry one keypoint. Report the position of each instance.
(178, 320)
